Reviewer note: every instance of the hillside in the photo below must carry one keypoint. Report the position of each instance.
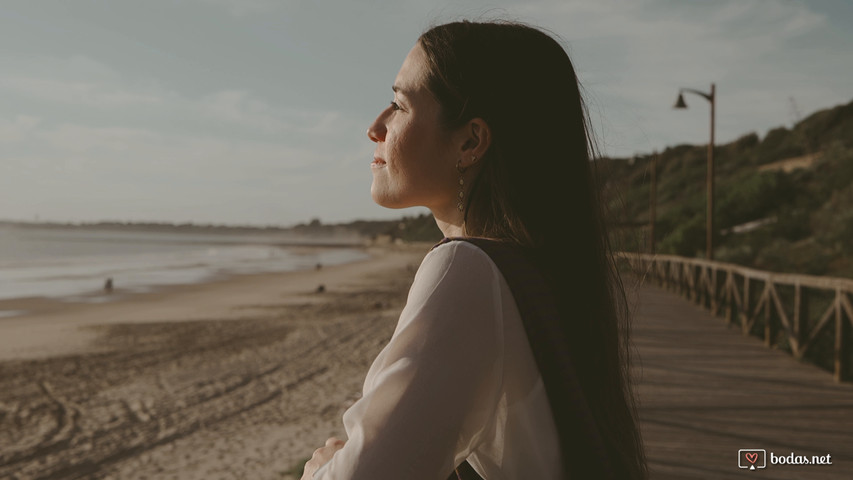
(782, 203)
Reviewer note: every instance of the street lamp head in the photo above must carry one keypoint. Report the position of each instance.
(680, 102)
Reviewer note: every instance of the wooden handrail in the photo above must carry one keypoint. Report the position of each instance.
(699, 279)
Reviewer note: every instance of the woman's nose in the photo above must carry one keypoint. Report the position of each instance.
(376, 131)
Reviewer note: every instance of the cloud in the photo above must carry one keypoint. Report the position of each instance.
(77, 93)
(236, 106)
(777, 19)
(633, 56)
(247, 7)
(94, 154)
(85, 131)
(242, 109)
(71, 138)
(74, 80)
(18, 128)
(95, 92)
(638, 19)
(322, 123)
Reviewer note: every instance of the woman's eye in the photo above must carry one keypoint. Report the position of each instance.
(395, 106)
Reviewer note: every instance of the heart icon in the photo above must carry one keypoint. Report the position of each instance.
(752, 457)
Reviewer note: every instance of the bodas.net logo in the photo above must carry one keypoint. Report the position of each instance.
(752, 458)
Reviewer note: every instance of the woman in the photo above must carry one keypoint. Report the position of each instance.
(487, 129)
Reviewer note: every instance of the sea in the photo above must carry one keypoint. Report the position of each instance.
(73, 264)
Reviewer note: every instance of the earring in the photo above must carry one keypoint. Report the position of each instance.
(459, 204)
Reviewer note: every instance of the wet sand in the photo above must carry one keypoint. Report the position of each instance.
(241, 378)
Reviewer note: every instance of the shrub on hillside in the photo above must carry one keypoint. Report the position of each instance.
(792, 224)
(752, 196)
(835, 167)
(807, 256)
(835, 221)
(779, 144)
(739, 253)
(686, 239)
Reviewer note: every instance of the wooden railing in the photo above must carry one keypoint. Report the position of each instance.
(746, 293)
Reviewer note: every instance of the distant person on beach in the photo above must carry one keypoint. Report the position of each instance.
(108, 286)
(510, 359)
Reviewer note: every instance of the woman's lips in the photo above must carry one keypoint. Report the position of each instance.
(377, 163)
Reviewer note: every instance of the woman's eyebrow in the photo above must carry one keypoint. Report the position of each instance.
(397, 89)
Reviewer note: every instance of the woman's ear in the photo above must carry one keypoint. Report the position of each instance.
(475, 137)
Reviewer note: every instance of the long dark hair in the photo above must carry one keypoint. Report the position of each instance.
(537, 187)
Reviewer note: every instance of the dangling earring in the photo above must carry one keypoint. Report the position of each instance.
(459, 205)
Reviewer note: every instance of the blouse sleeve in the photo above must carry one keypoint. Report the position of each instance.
(435, 386)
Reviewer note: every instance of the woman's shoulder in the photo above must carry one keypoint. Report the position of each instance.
(449, 246)
(455, 280)
(457, 253)
(495, 252)
(458, 260)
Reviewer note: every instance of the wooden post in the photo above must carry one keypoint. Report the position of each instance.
(681, 285)
(801, 318)
(652, 204)
(729, 285)
(714, 306)
(744, 314)
(768, 324)
(700, 289)
(840, 337)
(695, 277)
(691, 284)
(679, 277)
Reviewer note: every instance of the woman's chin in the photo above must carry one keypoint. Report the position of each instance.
(380, 198)
(387, 204)
(384, 199)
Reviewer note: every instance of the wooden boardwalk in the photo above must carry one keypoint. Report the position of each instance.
(706, 391)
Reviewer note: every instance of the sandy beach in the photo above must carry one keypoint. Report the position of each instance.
(240, 378)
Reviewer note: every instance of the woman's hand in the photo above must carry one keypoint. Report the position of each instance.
(321, 456)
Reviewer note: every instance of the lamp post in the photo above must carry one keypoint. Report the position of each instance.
(709, 228)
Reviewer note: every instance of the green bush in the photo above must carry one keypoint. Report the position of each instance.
(791, 224)
(752, 196)
(779, 144)
(807, 257)
(687, 239)
(835, 221)
(741, 254)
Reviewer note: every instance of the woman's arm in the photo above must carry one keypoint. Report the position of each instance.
(437, 381)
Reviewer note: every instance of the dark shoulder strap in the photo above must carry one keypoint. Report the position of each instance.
(581, 444)
(465, 472)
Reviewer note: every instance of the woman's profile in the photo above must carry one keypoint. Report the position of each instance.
(510, 359)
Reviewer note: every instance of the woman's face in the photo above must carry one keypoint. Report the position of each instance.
(414, 162)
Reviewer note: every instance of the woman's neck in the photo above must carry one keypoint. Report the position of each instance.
(451, 224)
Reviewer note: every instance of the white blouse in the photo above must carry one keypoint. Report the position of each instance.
(456, 381)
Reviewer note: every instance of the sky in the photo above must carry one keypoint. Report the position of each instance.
(254, 112)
